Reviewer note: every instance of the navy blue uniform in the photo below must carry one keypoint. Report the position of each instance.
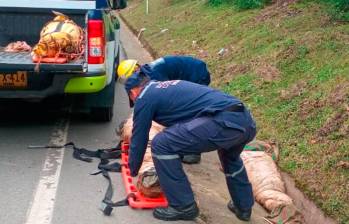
(178, 68)
(198, 119)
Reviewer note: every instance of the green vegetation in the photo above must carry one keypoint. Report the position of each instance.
(241, 4)
(338, 9)
(342, 5)
(289, 63)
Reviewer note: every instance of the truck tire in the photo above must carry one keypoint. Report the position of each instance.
(103, 114)
(101, 104)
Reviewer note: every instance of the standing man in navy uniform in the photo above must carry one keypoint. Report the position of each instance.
(170, 68)
(198, 119)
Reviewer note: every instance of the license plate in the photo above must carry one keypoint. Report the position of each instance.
(14, 80)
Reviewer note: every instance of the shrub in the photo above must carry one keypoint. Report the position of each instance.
(342, 5)
(338, 9)
(215, 2)
(241, 4)
(250, 4)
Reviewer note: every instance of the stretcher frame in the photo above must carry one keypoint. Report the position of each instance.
(139, 201)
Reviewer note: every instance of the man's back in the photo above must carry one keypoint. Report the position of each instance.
(177, 101)
(178, 68)
(169, 103)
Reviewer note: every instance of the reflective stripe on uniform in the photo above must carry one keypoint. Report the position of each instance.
(156, 62)
(165, 157)
(235, 173)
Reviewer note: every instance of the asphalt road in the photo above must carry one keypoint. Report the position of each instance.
(48, 186)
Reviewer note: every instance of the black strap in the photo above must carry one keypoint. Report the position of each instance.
(109, 194)
(112, 167)
(84, 154)
(104, 154)
(104, 168)
(107, 204)
(107, 207)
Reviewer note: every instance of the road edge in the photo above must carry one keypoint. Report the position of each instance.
(141, 40)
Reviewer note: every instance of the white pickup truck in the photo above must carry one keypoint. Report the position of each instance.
(93, 75)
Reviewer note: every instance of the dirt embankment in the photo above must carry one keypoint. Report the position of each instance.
(209, 183)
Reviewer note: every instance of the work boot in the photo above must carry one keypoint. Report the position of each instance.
(244, 215)
(191, 159)
(189, 212)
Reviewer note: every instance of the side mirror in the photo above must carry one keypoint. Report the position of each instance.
(119, 4)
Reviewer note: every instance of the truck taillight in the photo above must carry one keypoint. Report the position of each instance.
(95, 42)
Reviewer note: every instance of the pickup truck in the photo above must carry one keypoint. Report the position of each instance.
(92, 76)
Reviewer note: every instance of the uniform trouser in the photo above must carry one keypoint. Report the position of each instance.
(227, 132)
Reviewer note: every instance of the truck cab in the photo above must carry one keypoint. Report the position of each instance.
(91, 75)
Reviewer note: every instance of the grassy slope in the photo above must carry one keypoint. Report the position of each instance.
(291, 66)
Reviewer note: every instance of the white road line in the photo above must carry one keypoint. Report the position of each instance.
(41, 209)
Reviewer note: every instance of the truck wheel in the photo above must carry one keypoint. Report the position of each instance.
(101, 103)
(102, 113)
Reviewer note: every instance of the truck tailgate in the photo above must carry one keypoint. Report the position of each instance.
(23, 61)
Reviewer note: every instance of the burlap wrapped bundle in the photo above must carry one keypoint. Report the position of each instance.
(268, 188)
(148, 181)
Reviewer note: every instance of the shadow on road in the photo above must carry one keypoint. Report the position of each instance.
(19, 111)
(45, 111)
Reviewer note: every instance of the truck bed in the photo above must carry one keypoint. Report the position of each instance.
(23, 61)
(25, 24)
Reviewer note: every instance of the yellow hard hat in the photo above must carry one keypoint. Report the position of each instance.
(126, 68)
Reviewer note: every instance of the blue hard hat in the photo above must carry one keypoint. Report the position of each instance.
(133, 81)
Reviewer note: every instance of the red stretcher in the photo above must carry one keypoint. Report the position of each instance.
(139, 201)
